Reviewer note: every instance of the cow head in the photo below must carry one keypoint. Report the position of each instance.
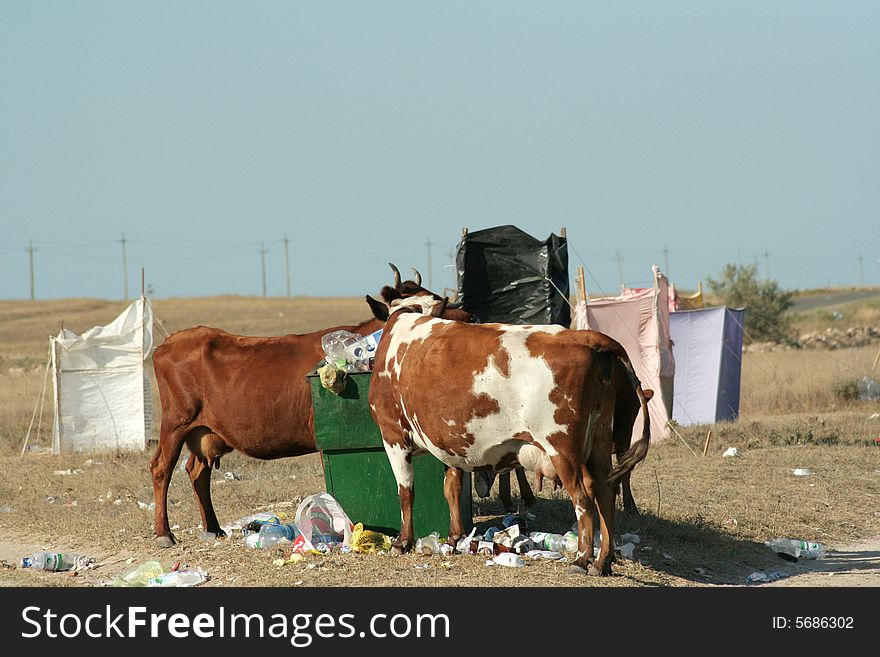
(410, 296)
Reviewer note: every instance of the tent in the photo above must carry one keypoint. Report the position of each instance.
(707, 346)
(639, 320)
(102, 393)
(508, 276)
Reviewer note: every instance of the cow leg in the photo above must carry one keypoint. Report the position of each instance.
(525, 490)
(205, 448)
(504, 492)
(603, 494)
(400, 457)
(452, 482)
(200, 476)
(571, 476)
(161, 466)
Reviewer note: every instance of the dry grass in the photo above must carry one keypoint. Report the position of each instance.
(710, 513)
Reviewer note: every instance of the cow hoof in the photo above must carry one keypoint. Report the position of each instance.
(212, 536)
(603, 571)
(165, 541)
(401, 548)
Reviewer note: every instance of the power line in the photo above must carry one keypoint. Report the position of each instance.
(766, 265)
(124, 268)
(861, 272)
(430, 268)
(287, 263)
(30, 250)
(263, 253)
(619, 259)
(666, 260)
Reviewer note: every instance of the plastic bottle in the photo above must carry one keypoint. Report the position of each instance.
(52, 561)
(273, 533)
(570, 542)
(429, 544)
(552, 542)
(508, 559)
(179, 578)
(797, 549)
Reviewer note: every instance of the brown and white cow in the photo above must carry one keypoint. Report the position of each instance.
(474, 395)
(221, 392)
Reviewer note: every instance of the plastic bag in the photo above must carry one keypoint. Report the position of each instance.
(321, 519)
(368, 541)
(141, 575)
(179, 578)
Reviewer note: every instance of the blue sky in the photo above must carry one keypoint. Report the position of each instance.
(200, 130)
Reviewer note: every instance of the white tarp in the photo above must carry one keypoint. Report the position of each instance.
(639, 321)
(102, 393)
(707, 345)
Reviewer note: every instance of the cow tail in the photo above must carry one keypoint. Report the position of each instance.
(637, 453)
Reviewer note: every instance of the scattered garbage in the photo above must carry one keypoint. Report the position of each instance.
(69, 471)
(544, 554)
(869, 389)
(630, 538)
(232, 476)
(6, 509)
(149, 507)
(57, 561)
(141, 575)
(792, 549)
(350, 352)
(874, 416)
(429, 544)
(515, 519)
(626, 550)
(759, 577)
(321, 519)
(368, 541)
(801, 472)
(552, 542)
(509, 559)
(332, 379)
(570, 541)
(731, 451)
(464, 544)
(272, 533)
(179, 578)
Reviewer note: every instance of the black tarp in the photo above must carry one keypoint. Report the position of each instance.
(504, 275)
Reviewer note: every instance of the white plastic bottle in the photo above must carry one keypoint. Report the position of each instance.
(52, 561)
(797, 549)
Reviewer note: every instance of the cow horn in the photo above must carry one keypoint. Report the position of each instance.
(418, 276)
(396, 276)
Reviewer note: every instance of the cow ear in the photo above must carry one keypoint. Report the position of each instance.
(380, 310)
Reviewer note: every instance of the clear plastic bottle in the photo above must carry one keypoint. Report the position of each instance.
(797, 549)
(179, 578)
(570, 542)
(52, 561)
(552, 542)
(273, 533)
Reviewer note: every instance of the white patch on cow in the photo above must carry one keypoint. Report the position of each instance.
(425, 302)
(523, 398)
(403, 470)
(449, 423)
(405, 332)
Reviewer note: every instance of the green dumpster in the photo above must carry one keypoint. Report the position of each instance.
(357, 471)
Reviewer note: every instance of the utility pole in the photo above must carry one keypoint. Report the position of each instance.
(861, 272)
(263, 253)
(666, 260)
(30, 251)
(287, 263)
(766, 265)
(619, 259)
(124, 268)
(429, 244)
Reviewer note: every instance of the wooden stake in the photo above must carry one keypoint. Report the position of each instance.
(706, 445)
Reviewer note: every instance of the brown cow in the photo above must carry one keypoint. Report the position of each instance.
(221, 392)
(503, 387)
(626, 409)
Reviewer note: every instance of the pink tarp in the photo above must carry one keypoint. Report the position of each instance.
(639, 321)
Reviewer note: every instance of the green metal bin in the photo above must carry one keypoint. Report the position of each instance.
(357, 471)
